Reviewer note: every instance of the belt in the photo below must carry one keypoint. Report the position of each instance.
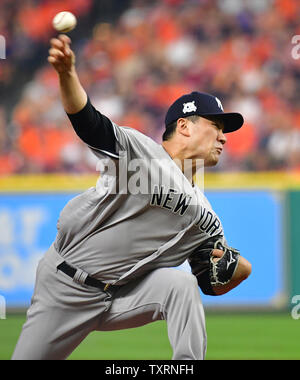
(82, 277)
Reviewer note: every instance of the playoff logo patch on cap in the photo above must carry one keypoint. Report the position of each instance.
(189, 107)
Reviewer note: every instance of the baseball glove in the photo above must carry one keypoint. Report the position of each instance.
(211, 273)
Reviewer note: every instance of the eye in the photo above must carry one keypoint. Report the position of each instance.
(218, 126)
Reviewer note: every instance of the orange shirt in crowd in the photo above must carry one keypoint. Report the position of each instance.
(43, 145)
(241, 142)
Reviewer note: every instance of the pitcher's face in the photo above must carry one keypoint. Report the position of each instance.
(206, 140)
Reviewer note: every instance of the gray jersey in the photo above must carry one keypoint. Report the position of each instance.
(137, 220)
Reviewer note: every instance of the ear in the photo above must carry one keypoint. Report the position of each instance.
(182, 127)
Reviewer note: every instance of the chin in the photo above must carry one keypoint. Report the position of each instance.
(210, 163)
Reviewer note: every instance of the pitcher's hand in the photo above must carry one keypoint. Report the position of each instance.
(61, 57)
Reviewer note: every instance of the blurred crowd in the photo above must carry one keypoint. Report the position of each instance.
(135, 67)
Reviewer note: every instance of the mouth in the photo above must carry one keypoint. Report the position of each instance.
(219, 150)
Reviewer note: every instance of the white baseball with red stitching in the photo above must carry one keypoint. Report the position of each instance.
(64, 22)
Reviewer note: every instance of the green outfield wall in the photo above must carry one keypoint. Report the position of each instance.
(293, 242)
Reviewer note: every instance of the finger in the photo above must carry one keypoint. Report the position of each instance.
(217, 253)
(66, 45)
(52, 60)
(56, 53)
(65, 39)
(56, 43)
(67, 52)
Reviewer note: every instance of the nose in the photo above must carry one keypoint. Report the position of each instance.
(221, 137)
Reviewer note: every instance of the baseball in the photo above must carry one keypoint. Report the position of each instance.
(64, 22)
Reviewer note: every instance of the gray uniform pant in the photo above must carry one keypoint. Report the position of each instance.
(63, 312)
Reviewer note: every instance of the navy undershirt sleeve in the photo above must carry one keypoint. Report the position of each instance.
(94, 128)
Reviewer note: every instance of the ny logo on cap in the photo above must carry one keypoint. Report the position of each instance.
(189, 107)
(219, 103)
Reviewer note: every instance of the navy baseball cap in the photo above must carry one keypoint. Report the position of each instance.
(202, 104)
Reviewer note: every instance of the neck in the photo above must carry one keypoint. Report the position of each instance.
(178, 154)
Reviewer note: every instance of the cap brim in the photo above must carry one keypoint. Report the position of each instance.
(232, 120)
